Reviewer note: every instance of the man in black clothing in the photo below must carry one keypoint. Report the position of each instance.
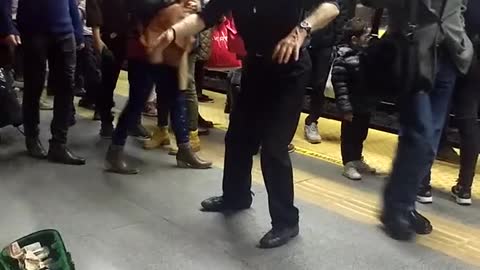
(276, 72)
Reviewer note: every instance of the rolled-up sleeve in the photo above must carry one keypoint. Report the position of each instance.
(94, 13)
(214, 10)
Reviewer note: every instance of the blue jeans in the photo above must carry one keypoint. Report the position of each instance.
(142, 76)
(422, 116)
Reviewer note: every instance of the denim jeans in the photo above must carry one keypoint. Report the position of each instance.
(422, 116)
(142, 76)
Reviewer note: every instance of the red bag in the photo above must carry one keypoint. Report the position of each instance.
(235, 41)
(221, 57)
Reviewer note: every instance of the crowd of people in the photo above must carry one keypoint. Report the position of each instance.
(289, 45)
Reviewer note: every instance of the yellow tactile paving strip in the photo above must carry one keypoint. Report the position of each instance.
(449, 237)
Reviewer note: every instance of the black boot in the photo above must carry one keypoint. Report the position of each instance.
(59, 153)
(218, 204)
(404, 225)
(277, 237)
(187, 158)
(35, 148)
(106, 131)
(115, 161)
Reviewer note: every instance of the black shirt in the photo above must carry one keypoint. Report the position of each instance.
(261, 23)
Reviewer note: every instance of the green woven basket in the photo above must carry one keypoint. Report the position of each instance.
(49, 238)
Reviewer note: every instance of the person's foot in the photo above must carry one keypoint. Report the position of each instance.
(204, 123)
(277, 237)
(150, 109)
(79, 92)
(404, 226)
(363, 167)
(187, 158)
(86, 104)
(205, 99)
(159, 138)
(218, 204)
(59, 153)
(311, 133)
(115, 161)
(45, 105)
(203, 131)
(351, 172)
(424, 195)
(463, 196)
(140, 133)
(106, 131)
(35, 148)
(448, 154)
(291, 148)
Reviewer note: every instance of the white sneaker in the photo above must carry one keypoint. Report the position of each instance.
(311, 134)
(363, 167)
(350, 171)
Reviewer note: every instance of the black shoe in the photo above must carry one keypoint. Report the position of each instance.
(424, 195)
(115, 161)
(79, 92)
(96, 116)
(404, 226)
(59, 153)
(291, 148)
(84, 103)
(205, 99)
(204, 123)
(106, 131)
(218, 204)
(463, 196)
(278, 237)
(203, 131)
(140, 133)
(35, 148)
(448, 154)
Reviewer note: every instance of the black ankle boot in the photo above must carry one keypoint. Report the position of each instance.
(35, 148)
(115, 161)
(277, 237)
(187, 158)
(59, 153)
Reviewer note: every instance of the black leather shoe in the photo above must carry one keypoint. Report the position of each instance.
(420, 224)
(59, 153)
(115, 161)
(35, 148)
(277, 237)
(218, 204)
(397, 225)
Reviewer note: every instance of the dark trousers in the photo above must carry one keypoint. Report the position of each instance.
(142, 77)
(466, 104)
(266, 113)
(112, 61)
(354, 133)
(88, 74)
(199, 76)
(321, 64)
(422, 116)
(61, 51)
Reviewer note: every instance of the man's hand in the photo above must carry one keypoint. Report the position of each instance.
(12, 40)
(290, 46)
(348, 117)
(191, 6)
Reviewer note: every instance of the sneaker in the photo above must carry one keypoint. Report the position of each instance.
(463, 196)
(311, 134)
(150, 109)
(351, 172)
(140, 133)
(45, 105)
(363, 167)
(424, 195)
(291, 148)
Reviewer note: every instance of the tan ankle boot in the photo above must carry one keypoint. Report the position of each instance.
(186, 158)
(195, 141)
(160, 138)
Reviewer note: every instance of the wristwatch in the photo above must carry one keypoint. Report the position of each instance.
(304, 25)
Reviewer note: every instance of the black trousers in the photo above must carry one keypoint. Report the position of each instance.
(266, 113)
(354, 133)
(61, 51)
(88, 74)
(112, 62)
(321, 64)
(466, 105)
(199, 76)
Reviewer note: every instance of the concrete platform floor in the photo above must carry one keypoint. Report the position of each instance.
(152, 221)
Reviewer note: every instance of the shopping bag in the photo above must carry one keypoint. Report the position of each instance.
(221, 56)
(235, 41)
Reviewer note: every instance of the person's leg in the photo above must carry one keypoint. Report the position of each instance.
(353, 136)
(35, 52)
(92, 74)
(140, 79)
(63, 50)
(191, 96)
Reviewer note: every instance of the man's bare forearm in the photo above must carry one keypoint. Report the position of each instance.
(322, 16)
(189, 26)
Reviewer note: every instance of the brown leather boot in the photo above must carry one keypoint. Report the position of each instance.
(186, 158)
(160, 138)
(115, 161)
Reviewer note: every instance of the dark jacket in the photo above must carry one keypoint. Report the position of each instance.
(333, 34)
(351, 94)
(42, 17)
(111, 15)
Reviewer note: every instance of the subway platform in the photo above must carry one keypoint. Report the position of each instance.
(153, 221)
